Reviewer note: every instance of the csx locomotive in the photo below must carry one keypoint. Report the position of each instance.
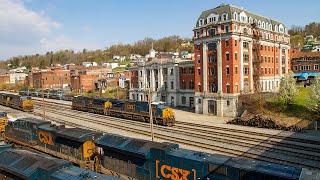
(23, 103)
(23, 164)
(130, 158)
(130, 109)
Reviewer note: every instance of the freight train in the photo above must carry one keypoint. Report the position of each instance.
(23, 103)
(130, 109)
(136, 159)
(18, 164)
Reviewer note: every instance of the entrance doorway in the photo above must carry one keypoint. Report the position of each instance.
(191, 102)
(212, 107)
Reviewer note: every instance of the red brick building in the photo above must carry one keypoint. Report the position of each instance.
(4, 78)
(236, 52)
(51, 79)
(83, 83)
(305, 65)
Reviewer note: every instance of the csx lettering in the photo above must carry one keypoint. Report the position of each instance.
(45, 137)
(130, 106)
(173, 173)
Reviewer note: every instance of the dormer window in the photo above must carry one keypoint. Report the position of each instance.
(276, 28)
(235, 16)
(224, 17)
(270, 27)
(263, 25)
(243, 18)
(200, 22)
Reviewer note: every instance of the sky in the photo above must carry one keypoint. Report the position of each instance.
(38, 26)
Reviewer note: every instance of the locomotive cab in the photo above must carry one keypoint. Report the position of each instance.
(3, 123)
(161, 110)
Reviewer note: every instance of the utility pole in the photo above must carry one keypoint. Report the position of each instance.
(150, 113)
(43, 107)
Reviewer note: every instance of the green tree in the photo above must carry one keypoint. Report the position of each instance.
(314, 98)
(288, 89)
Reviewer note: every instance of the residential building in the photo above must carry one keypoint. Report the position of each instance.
(4, 78)
(169, 80)
(305, 66)
(236, 52)
(17, 77)
(89, 64)
(119, 58)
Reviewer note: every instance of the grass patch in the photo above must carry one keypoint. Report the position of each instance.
(126, 62)
(296, 112)
(118, 69)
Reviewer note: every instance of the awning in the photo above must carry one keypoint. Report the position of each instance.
(304, 76)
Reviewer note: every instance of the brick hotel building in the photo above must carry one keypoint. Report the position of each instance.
(230, 45)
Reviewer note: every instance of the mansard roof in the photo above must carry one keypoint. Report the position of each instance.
(230, 9)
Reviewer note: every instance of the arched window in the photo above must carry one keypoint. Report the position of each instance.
(224, 16)
(235, 16)
(267, 26)
(259, 24)
(270, 27)
(263, 25)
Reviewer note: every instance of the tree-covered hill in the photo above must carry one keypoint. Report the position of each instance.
(142, 47)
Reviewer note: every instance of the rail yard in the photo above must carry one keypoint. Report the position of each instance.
(298, 150)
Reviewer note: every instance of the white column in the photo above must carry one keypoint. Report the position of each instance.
(280, 61)
(204, 66)
(251, 67)
(219, 53)
(160, 77)
(241, 66)
(153, 81)
(286, 60)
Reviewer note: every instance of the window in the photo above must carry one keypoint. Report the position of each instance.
(172, 85)
(276, 59)
(265, 59)
(183, 85)
(171, 71)
(228, 88)
(237, 88)
(316, 66)
(183, 70)
(265, 70)
(183, 100)
(245, 45)
(227, 43)
(265, 48)
(269, 70)
(199, 59)
(261, 47)
(245, 31)
(191, 84)
(228, 70)
(235, 27)
(227, 29)
(272, 59)
(268, 59)
(211, 71)
(235, 42)
(199, 87)
(246, 70)
(227, 57)
(224, 17)
(228, 103)
(245, 57)
(199, 72)
(212, 46)
(212, 32)
(268, 48)
(198, 47)
(140, 73)
(236, 70)
(235, 16)
(236, 56)
(199, 100)
(191, 70)
(277, 72)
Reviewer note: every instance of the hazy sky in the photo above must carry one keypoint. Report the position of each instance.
(38, 26)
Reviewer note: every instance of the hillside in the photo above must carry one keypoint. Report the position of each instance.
(142, 47)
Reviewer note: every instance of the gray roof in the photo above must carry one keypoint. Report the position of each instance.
(230, 9)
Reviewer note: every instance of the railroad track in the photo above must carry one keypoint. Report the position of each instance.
(293, 155)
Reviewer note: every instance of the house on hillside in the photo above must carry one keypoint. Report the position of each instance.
(119, 58)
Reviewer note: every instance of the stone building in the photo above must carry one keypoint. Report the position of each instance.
(169, 80)
(236, 52)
